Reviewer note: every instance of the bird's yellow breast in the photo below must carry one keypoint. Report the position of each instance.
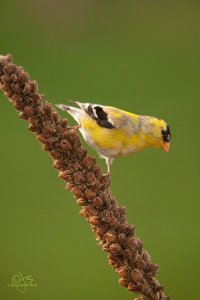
(113, 142)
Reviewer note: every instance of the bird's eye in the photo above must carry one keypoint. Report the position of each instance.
(166, 134)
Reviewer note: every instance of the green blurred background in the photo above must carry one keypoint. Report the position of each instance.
(141, 56)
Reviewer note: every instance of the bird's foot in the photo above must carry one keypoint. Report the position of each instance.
(74, 129)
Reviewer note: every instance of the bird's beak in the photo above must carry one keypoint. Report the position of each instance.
(165, 146)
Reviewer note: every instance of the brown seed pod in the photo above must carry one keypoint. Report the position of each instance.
(26, 88)
(136, 275)
(111, 236)
(77, 191)
(106, 247)
(131, 242)
(83, 213)
(121, 237)
(90, 210)
(90, 194)
(33, 84)
(41, 138)
(65, 145)
(56, 154)
(97, 201)
(88, 162)
(115, 248)
(81, 202)
(65, 176)
(22, 115)
(100, 229)
(123, 271)
(95, 220)
(123, 282)
(90, 177)
(113, 222)
(13, 78)
(49, 129)
(33, 128)
(122, 227)
(128, 254)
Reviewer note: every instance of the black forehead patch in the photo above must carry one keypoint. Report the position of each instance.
(166, 134)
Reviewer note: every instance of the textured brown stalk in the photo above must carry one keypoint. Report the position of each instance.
(84, 179)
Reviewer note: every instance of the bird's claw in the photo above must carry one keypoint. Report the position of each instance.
(74, 129)
(106, 178)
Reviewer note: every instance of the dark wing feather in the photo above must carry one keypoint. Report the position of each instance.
(99, 115)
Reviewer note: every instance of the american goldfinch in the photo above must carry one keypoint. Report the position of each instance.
(113, 132)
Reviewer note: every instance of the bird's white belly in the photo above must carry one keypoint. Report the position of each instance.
(117, 152)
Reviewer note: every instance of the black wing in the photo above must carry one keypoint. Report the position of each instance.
(97, 113)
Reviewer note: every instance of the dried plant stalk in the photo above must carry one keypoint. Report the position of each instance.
(86, 182)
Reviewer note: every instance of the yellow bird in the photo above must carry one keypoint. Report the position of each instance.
(113, 132)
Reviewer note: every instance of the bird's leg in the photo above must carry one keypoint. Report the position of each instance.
(77, 127)
(106, 177)
(108, 163)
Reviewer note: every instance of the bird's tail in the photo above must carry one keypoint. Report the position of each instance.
(73, 111)
(64, 107)
(74, 102)
(79, 104)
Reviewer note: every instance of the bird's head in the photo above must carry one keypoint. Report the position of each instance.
(162, 134)
(165, 138)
